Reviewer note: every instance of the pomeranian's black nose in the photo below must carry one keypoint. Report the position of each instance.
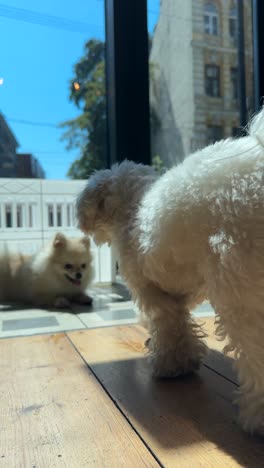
(78, 275)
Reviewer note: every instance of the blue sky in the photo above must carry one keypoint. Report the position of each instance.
(36, 63)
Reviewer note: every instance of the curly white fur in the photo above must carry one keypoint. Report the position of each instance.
(196, 232)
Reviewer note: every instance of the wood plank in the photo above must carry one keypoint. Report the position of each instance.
(54, 412)
(187, 421)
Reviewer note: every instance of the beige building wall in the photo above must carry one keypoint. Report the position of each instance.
(186, 118)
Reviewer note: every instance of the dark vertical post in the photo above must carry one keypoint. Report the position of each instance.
(127, 80)
(241, 65)
(258, 44)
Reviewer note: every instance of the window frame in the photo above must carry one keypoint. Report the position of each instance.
(210, 81)
(212, 26)
(127, 81)
(233, 19)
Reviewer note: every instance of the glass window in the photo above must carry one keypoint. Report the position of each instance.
(194, 81)
(233, 23)
(214, 133)
(20, 220)
(31, 217)
(210, 19)
(8, 216)
(69, 214)
(50, 216)
(235, 132)
(59, 215)
(234, 82)
(212, 80)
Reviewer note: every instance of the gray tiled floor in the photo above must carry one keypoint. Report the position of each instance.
(111, 306)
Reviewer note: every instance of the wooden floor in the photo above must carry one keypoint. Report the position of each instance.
(87, 398)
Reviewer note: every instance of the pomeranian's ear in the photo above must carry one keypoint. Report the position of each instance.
(85, 241)
(59, 240)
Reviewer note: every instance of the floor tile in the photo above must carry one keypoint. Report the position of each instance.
(30, 322)
(118, 314)
(36, 321)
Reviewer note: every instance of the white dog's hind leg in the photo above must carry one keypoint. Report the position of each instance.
(246, 338)
(236, 292)
(250, 368)
(175, 339)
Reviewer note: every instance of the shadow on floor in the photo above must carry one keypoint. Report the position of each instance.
(178, 412)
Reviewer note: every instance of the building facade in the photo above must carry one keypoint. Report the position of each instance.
(194, 75)
(13, 164)
(8, 148)
(29, 167)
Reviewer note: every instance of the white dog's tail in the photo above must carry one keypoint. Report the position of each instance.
(256, 127)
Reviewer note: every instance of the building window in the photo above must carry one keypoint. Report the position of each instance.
(8, 216)
(210, 19)
(233, 23)
(236, 132)
(59, 215)
(214, 133)
(50, 216)
(212, 80)
(234, 82)
(30, 215)
(19, 210)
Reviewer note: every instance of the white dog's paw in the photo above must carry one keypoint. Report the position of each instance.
(169, 366)
(62, 302)
(174, 364)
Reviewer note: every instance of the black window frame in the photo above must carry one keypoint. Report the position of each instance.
(127, 81)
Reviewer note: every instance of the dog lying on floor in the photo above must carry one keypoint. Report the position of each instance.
(55, 276)
(196, 232)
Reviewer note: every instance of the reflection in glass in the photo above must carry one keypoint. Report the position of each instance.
(194, 76)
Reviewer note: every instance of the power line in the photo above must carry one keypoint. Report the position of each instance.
(43, 19)
(34, 151)
(29, 122)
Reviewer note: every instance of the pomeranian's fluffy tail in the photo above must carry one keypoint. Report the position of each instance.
(256, 127)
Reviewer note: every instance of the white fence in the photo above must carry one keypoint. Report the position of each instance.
(33, 210)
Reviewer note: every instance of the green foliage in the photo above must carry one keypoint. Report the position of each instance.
(158, 164)
(87, 132)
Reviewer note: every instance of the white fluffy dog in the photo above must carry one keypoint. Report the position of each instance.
(196, 232)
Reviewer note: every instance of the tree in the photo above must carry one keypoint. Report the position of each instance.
(87, 132)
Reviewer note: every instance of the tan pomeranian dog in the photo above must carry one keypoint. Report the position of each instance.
(56, 276)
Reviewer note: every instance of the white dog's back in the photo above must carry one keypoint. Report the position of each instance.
(205, 195)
